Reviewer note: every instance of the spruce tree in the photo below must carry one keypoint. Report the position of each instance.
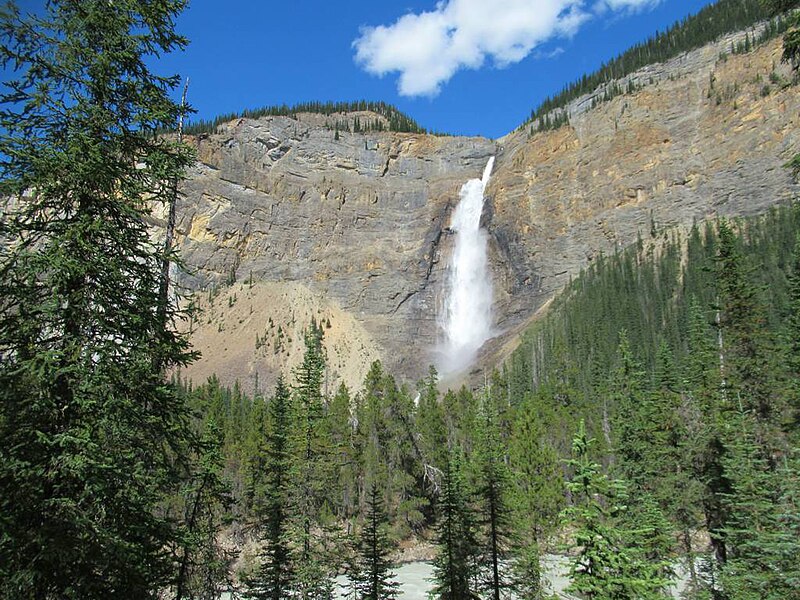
(456, 560)
(791, 334)
(92, 437)
(762, 530)
(536, 497)
(311, 471)
(431, 425)
(203, 564)
(338, 429)
(271, 484)
(745, 347)
(372, 576)
(493, 489)
(609, 563)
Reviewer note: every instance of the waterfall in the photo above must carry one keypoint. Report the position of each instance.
(467, 316)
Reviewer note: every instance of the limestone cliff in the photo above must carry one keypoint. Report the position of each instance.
(351, 229)
(352, 225)
(706, 136)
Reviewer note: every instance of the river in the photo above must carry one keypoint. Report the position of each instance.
(415, 579)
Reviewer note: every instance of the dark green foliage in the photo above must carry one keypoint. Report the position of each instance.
(492, 491)
(791, 41)
(663, 354)
(372, 575)
(397, 121)
(338, 430)
(762, 530)
(619, 556)
(311, 473)
(269, 490)
(639, 345)
(92, 438)
(391, 455)
(455, 565)
(203, 564)
(746, 348)
(431, 425)
(791, 336)
(535, 497)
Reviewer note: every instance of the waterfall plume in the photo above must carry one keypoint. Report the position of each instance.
(466, 320)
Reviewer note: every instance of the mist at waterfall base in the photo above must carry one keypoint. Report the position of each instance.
(466, 316)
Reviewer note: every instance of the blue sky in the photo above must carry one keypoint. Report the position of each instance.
(251, 53)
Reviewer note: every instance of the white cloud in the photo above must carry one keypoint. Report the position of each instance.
(630, 5)
(428, 48)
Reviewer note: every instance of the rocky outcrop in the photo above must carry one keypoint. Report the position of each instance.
(355, 225)
(707, 138)
(356, 219)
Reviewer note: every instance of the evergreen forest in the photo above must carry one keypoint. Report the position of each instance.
(694, 31)
(647, 425)
(395, 120)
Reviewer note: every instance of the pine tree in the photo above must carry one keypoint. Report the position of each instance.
(271, 487)
(431, 425)
(455, 562)
(791, 339)
(598, 568)
(338, 429)
(536, 497)
(92, 437)
(742, 318)
(203, 564)
(763, 530)
(493, 484)
(372, 577)
(791, 40)
(311, 471)
(608, 564)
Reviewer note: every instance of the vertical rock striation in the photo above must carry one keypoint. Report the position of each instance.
(357, 226)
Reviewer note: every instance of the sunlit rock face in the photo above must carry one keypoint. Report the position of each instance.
(357, 230)
(359, 223)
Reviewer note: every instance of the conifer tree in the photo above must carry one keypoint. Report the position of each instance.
(203, 563)
(745, 351)
(763, 530)
(608, 564)
(431, 425)
(455, 564)
(372, 576)
(791, 40)
(493, 483)
(792, 333)
(92, 437)
(310, 473)
(338, 429)
(271, 483)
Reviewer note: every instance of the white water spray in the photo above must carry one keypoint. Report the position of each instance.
(467, 318)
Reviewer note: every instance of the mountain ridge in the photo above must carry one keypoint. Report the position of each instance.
(361, 219)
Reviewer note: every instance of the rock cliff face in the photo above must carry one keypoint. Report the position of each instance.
(704, 137)
(357, 222)
(292, 221)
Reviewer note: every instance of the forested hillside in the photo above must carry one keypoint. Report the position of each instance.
(648, 423)
(692, 32)
(393, 119)
(678, 357)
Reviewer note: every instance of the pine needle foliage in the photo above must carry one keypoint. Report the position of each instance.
(92, 437)
(372, 576)
(395, 119)
(455, 564)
